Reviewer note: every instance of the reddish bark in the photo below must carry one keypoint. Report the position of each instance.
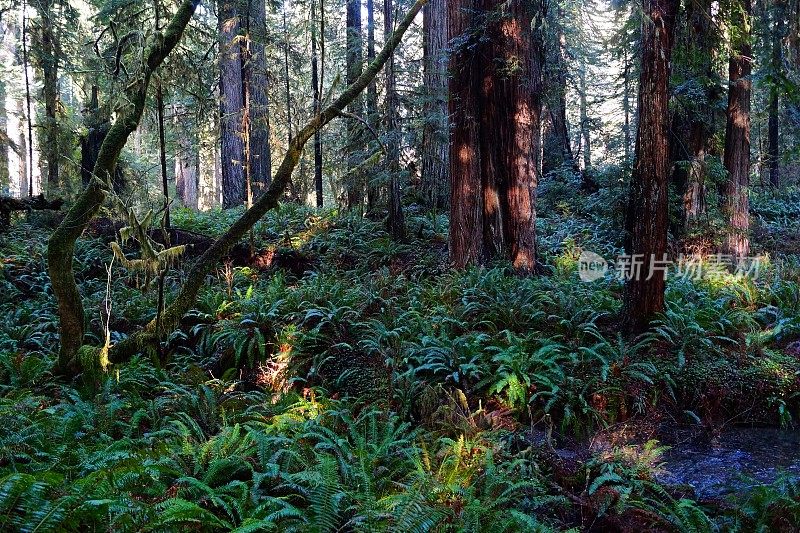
(647, 216)
(737, 136)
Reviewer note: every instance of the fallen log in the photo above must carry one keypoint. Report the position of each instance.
(37, 203)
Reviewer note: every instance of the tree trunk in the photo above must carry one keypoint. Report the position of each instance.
(231, 105)
(28, 112)
(373, 191)
(701, 120)
(395, 221)
(737, 135)
(315, 87)
(647, 208)
(777, 32)
(354, 186)
(48, 53)
(495, 103)
(558, 107)
(435, 133)
(5, 138)
(187, 158)
(586, 140)
(260, 156)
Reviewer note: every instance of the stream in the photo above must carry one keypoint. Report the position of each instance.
(736, 459)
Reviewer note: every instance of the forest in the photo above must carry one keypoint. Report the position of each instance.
(400, 265)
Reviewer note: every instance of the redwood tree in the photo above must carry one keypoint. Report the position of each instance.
(435, 133)
(495, 109)
(647, 219)
(231, 105)
(737, 132)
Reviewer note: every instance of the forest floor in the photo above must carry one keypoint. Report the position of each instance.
(343, 381)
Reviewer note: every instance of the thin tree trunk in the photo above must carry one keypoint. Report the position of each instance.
(29, 114)
(435, 133)
(395, 221)
(315, 87)
(231, 106)
(777, 32)
(372, 95)
(737, 135)
(647, 208)
(49, 52)
(162, 150)
(558, 109)
(5, 138)
(586, 139)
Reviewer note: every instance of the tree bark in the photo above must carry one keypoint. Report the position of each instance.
(187, 158)
(231, 105)
(647, 208)
(48, 53)
(435, 134)
(737, 134)
(255, 72)
(315, 87)
(495, 105)
(61, 245)
(776, 65)
(395, 222)
(701, 120)
(354, 186)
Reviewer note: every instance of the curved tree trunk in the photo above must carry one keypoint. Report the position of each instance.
(647, 208)
(61, 246)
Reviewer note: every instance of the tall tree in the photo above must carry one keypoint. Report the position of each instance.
(316, 90)
(777, 32)
(737, 131)
(256, 83)
(395, 221)
(231, 105)
(372, 96)
(435, 133)
(47, 54)
(699, 15)
(353, 184)
(495, 107)
(646, 220)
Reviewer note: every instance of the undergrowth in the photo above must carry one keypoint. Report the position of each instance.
(348, 382)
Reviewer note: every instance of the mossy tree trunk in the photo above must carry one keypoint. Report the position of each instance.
(61, 246)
